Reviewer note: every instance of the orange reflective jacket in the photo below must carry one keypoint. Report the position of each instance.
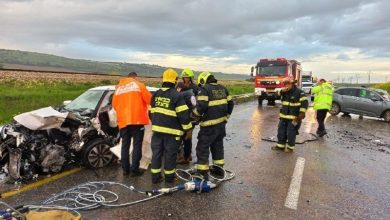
(130, 101)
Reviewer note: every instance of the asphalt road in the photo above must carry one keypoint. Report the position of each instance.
(344, 176)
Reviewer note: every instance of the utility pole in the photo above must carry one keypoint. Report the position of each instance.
(357, 78)
(369, 77)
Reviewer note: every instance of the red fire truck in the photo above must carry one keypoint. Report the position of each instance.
(269, 75)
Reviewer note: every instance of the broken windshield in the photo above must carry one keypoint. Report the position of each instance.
(88, 100)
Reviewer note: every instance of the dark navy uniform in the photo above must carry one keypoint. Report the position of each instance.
(214, 105)
(190, 100)
(170, 119)
(294, 103)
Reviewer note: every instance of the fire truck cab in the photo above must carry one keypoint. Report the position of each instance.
(269, 77)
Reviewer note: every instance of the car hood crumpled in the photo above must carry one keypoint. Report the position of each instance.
(42, 119)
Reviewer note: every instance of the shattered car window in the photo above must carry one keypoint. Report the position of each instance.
(88, 100)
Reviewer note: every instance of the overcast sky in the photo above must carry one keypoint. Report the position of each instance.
(333, 38)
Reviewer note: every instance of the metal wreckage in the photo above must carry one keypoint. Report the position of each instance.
(47, 140)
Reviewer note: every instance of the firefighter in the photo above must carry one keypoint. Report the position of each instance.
(130, 101)
(323, 97)
(170, 118)
(189, 90)
(184, 156)
(294, 106)
(187, 76)
(214, 107)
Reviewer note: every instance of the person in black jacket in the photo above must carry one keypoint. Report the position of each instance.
(170, 118)
(184, 156)
(214, 107)
(293, 111)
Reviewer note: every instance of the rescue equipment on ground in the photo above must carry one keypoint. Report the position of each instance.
(98, 194)
(311, 137)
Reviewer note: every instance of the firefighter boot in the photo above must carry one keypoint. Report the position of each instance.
(156, 178)
(170, 178)
(218, 172)
(278, 147)
(289, 149)
(201, 175)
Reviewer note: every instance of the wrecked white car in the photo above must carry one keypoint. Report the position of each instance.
(48, 140)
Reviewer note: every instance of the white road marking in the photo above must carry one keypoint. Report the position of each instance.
(295, 185)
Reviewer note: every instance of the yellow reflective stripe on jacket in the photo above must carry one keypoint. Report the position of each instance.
(302, 109)
(155, 170)
(203, 98)
(219, 162)
(166, 130)
(229, 98)
(169, 171)
(303, 99)
(163, 111)
(218, 102)
(202, 167)
(291, 103)
(187, 126)
(181, 108)
(196, 112)
(213, 122)
(287, 116)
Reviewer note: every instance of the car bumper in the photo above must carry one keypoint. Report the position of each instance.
(267, 93)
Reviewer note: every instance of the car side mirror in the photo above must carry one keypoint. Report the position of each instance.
(252, 70)
(375, 99)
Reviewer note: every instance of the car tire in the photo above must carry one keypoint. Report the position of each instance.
(386, 116)
(97, 154)
(260, 101)
(271, 102)
(335, 109)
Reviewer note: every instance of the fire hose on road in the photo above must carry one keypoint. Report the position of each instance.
(97, 194)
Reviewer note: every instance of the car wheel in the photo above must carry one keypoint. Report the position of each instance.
(260, 101)
(335, 109)
(386, 116)
(271, 102)
(97, 154)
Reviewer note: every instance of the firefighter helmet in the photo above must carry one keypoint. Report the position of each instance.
(187, 73)
(203, 76)
(170, 75)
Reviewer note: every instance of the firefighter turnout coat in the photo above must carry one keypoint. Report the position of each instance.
(294, 101)
(169, 112)
(214, 105)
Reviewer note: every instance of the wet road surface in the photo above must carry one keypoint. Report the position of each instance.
(345, 176)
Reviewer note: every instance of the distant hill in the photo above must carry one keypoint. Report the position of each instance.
(16, 59)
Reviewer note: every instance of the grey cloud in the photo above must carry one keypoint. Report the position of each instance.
(214, 28)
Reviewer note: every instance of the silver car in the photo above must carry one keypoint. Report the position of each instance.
(361, 101)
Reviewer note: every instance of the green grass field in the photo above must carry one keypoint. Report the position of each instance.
(17, 96)
(384, 86)
(21, 96)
